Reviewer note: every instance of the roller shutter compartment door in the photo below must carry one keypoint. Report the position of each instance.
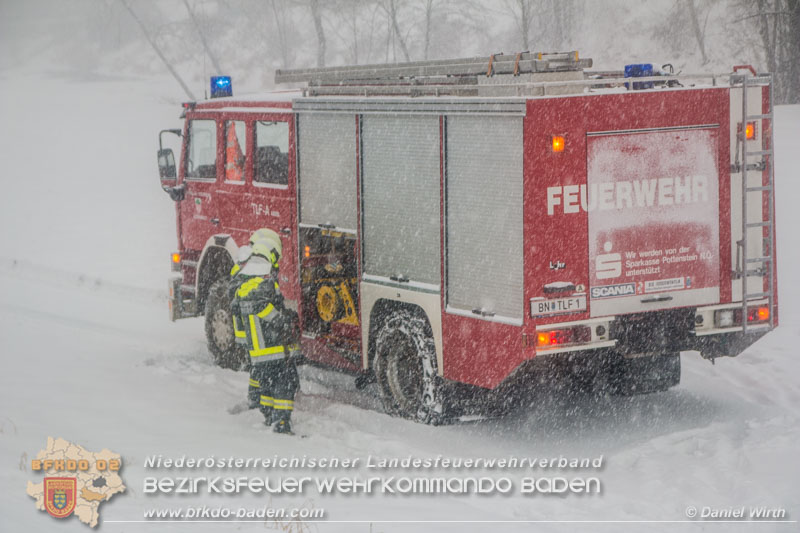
(400, 187)
(327, 170)
(484, 216)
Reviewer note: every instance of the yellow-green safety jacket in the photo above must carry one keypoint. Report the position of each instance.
(269, 326)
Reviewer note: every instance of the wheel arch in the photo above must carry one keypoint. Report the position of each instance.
(216, 260)
(377, 304)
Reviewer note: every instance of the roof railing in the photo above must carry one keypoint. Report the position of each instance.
(521, 74)
(521, 89)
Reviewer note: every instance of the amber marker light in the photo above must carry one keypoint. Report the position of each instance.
(558, 143)
(543, 338)
(750, 131)
(176, 258)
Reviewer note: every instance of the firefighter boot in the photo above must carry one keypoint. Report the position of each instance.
(283, 426)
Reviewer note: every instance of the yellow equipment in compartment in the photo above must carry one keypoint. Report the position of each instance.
(335, 303)
(335, 289)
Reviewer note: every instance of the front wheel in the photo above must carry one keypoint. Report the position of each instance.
(219, 328)
(405, 368)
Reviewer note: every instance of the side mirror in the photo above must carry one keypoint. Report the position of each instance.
(176, 193)
(167, 170)
(166, 164)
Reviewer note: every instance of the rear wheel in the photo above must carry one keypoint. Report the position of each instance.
(219, 328)
(646, 374)
(405, 368)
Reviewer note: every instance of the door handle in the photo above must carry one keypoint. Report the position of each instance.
(214, 221)
(287, 231)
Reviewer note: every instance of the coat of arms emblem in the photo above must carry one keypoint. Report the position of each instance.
(59, 495)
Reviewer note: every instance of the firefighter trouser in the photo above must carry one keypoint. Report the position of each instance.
(254, 388)
(278, 382)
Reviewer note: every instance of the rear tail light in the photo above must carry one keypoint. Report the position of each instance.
(728, 318)
(757, 314)
(563, 337)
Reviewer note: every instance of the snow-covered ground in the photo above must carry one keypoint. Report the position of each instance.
(88, 354)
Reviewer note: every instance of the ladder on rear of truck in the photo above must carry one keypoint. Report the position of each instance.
(761, 264)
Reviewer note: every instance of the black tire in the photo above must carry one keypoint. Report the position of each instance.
(644, 375)
(219, 328)
(405, 368)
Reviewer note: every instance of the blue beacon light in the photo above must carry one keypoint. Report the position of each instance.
(221, 86)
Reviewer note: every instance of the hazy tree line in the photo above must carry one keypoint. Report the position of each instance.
(768, 31)
(251, 38)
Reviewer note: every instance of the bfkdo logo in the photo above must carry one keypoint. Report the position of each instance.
(60, 495)
(76, 481)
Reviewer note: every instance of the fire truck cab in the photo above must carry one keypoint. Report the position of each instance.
(445, 224)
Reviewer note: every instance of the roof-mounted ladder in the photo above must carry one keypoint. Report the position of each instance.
(451, 76)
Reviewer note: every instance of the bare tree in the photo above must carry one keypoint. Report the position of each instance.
(316, 14)
(522, 13)
(356, 24)
(767, 29)
(699, 34)
(279, 14)
(202, 35)
(158, 51)
(428, 9)
(777, 23)
(391, 7)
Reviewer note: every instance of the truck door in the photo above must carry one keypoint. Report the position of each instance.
(401, 200)
(234, 196)
(328, 222)
(273, 197)
(484, 217)
(198, 210)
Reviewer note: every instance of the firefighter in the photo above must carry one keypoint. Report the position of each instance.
(270, 330)
(237, 278)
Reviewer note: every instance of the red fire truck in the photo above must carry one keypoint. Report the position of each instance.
(446, 224)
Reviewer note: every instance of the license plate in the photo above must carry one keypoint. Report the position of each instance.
(557, 306)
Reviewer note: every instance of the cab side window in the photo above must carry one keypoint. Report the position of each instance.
(235, 151)
(201, 162)
(272, 153)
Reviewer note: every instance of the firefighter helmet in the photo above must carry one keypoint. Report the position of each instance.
(267, 243)
(267, 236)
